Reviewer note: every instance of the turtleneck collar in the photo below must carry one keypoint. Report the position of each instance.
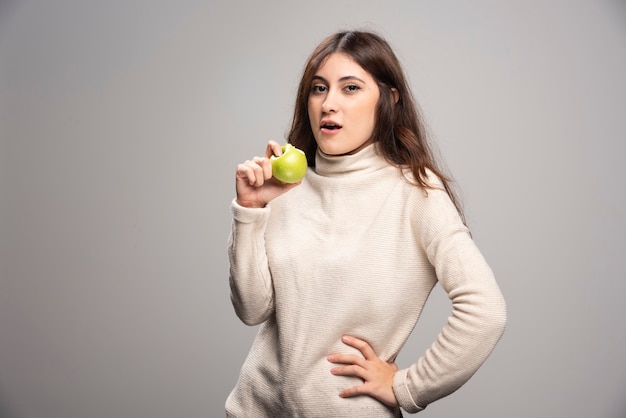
(366, 160)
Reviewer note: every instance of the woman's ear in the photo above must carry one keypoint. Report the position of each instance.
(396, 95)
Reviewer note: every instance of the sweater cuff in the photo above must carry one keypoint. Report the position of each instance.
(403, 394)
(248, 215)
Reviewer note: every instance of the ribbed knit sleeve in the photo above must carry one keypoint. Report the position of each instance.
(478, 313)
(252, 294)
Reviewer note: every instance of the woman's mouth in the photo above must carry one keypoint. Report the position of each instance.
(328, 126)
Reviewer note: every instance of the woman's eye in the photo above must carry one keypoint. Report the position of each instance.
(318, 89)
(352, 88)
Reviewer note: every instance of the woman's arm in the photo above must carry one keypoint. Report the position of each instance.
(478, 308)
(251, 290)
(252, 293)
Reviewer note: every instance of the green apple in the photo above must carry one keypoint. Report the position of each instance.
(291, 166)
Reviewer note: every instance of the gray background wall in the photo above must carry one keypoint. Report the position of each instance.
(121, 123)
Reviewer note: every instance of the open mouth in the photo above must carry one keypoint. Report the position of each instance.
(330, 126)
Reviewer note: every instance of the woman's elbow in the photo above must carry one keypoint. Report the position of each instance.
(498, 316)
(252, 315)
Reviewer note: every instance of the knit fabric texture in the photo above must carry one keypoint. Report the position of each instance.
(355, 249)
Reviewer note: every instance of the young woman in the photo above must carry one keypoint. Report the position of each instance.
(337, 268)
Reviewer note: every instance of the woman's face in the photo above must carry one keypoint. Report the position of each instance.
(342, 105)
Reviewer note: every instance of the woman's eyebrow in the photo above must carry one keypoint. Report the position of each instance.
(344, 78)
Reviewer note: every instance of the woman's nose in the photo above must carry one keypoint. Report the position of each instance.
(329, 104)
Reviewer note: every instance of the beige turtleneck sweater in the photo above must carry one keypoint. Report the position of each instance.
(355, 249)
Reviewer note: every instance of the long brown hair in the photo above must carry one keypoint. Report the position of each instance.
(399, 128)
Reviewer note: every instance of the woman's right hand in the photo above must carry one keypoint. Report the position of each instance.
(254, 184)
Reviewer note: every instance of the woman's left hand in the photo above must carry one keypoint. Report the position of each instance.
(376, 373)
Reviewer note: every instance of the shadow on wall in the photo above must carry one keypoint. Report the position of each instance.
(6, 7)
(5, 410)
